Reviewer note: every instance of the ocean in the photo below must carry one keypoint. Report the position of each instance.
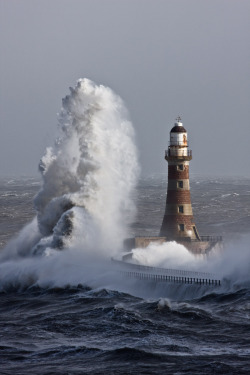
(53, 322)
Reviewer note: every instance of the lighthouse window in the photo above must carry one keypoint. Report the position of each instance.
(180, 184)
(181, 227)
(180, 167)
(181, 210)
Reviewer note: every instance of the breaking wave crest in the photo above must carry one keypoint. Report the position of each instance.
(88, 176)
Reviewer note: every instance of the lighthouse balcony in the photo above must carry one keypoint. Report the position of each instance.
(178, 154)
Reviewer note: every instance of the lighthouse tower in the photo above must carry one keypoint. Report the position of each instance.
(178, 222)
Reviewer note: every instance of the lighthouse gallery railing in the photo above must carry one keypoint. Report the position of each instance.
(178, 152)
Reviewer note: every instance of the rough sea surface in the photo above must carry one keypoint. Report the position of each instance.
(80, 320)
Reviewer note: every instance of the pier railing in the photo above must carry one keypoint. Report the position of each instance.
(167, 274)
(170, 278)
(212, 239)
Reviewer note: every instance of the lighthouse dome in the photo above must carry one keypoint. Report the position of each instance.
(178, 127)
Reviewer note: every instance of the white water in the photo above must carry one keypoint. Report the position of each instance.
(166, 255)
(88, 177)
(230, 262)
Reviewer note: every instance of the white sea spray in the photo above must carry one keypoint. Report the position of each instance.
(85, 203)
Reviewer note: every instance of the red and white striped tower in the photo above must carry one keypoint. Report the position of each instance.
(178, 222)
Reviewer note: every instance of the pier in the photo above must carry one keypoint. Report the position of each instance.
(165, 275)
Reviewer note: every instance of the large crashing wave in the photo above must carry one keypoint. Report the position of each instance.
(88, 175)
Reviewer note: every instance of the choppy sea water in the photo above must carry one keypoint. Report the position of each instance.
(95, 325)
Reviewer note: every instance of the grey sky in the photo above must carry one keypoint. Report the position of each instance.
(163, 57)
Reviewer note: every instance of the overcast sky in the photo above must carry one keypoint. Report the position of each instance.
(163, 57)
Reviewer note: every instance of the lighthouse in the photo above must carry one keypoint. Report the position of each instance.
(178, 221)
